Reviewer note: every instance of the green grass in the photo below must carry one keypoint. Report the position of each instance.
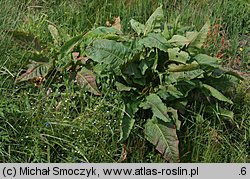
(215, 139)
(70, 125)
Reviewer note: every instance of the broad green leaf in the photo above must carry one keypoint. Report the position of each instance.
(139, 81)
(122, 87)
(127, 125)
(110, 33)
(132, 69)
(101, 69)
(232, 73)
(159, 109)
(174, 116)
(137, 26)
(155, 40)
(183, 68)
(194, 74)
(136, 47)
(199, 118)
(164, 137)
(185, 86)
(154, 22)
(169, 92)
(185, 30)
(25, 40)
(63, 62)
(204, 59)
(35, 70)
(55, 34)
(131, 107)
(107, 52)
(188, 74)
(145, 63)
(101, 31)
(172, 77)
(163, 93)
(219, 72)
(191, 35)
(226, 113)
(178, 41)
(143, 67)
(87, 79)
(176, 55)
(40, 57)
(216, 94)
(69, 45)
(224, 83)
(198, 39)
(167, 31)
(180, 105)
(220, 111)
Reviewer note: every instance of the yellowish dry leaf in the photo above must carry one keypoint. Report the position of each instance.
(117, 23)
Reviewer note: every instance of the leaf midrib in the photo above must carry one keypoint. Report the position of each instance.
(164, 140)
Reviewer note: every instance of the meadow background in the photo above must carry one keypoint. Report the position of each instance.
(86, 128)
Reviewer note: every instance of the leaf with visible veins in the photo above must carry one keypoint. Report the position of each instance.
(87, 79)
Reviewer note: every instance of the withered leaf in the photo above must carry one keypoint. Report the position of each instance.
(87, 79)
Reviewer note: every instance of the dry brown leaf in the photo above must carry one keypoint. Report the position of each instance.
(123, 154)
(38, 80)
(76, 56)
(117, 23)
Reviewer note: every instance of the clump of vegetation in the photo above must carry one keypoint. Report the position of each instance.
(160, 70)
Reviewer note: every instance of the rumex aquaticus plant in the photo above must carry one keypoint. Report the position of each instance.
(159, 69)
